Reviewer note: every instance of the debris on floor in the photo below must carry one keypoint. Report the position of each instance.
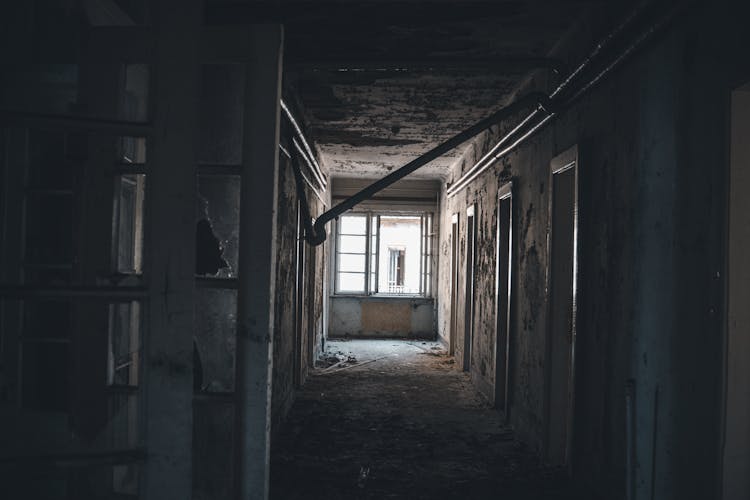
(394, 424)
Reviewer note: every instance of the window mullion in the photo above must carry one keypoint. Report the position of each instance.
(368, 252)
(377, 257)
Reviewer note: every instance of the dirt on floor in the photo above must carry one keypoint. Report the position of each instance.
(391, 419)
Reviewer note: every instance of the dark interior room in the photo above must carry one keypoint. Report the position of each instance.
(375, 249)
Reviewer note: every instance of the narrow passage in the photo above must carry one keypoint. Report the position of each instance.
(391, 419)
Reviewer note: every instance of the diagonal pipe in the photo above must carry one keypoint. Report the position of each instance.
(546, 107)
(533, 99)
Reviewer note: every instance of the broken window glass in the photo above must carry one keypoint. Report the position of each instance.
(217, 226)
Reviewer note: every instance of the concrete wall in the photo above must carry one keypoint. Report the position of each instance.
(312, 299)
(652, 142)
(382, 317)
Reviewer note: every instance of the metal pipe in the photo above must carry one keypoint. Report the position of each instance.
(488, 158)
(308, 151)
(558, 100)
(302, 196)
(603, 44)
(550, 104)
(316, 188)
(318, 235)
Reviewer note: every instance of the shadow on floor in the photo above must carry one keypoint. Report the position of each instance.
(392, 419)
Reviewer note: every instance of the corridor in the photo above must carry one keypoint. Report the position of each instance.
(395, 419)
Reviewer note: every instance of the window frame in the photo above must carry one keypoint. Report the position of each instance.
(373, 258)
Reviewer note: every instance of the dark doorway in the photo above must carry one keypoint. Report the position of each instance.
(299, 288)
(469, 294)
(454, 285)
(503, 296)
(561, 338)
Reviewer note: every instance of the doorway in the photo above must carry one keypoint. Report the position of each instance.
(299, 288)
(562, 286)
(454, 285)
(503, 296)
(736, 438)
(469, 282)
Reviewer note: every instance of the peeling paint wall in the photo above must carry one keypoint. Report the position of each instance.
(382, 317)
(285, 341)
(651, 145)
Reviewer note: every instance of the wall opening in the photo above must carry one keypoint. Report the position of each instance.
(503, 296)
(391, 248)
(561, 335)
(454, 285)
(299, 287)
(469, 282)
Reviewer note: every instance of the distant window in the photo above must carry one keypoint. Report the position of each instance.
(396, 258)
(395, 251)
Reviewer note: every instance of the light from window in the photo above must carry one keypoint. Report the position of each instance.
(394, 250)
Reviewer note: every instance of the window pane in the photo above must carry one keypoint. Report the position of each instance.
(218, 226)
(134, 104)
(129, 222)
(49, 233)
(352, 263)
(124, 344)
(400, 251)
(47, 319)
(351, 282)
(352, 244)
(352, 224)
(45, 376)
(132, 150)
(214, 340)
(221, 112)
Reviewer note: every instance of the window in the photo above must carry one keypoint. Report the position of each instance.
(396, 269)
(395, 251)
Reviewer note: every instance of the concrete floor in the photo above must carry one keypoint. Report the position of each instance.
(391, 419)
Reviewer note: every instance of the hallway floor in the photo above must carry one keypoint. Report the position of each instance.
(393, 419)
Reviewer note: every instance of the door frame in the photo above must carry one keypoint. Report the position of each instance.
(568, 159)
(502, 344)
(452, 334)
(469, 267)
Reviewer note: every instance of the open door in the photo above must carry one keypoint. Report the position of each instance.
(736, 438)
(503, 296)
(562, 288)
(469, 282)
(454, 285)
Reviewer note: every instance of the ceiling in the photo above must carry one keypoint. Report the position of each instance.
(380, 83)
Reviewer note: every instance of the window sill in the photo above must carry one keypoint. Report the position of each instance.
(378, 296)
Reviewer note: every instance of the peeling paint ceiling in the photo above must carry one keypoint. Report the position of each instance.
(379, 84)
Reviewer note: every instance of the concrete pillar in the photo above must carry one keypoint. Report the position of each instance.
(257, 263)
(170, 253)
